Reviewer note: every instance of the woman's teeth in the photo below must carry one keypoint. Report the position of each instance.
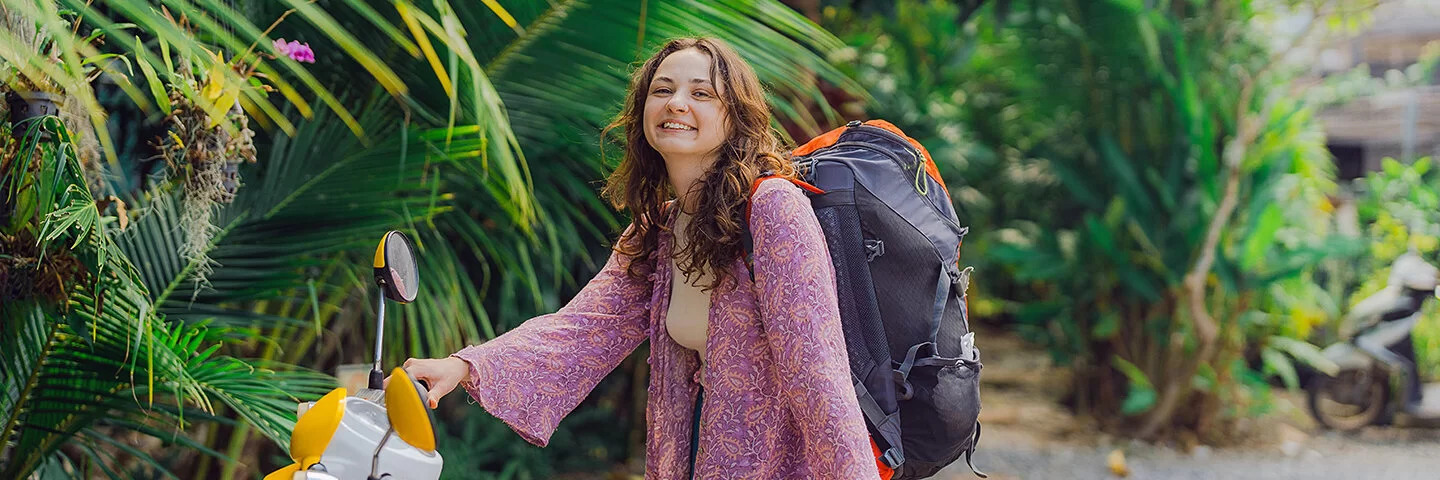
(676, 126)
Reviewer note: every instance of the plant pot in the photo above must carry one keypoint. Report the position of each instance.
(28, 105)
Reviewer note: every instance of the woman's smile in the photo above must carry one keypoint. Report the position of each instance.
(676, 127)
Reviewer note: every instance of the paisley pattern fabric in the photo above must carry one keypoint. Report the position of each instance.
(779, 402)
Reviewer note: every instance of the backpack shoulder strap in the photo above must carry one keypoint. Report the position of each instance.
(748, 241)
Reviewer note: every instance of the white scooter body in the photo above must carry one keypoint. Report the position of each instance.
(351, 449)
(1347, 357)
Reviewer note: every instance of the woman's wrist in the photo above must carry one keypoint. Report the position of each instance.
(463, 367)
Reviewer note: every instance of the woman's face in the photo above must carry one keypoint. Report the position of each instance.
(684, 116)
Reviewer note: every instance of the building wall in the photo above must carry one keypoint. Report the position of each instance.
(1369, 129)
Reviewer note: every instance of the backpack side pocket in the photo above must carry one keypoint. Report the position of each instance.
(940, 416)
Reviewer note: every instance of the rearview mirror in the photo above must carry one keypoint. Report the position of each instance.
(398, 278)
(395, 269)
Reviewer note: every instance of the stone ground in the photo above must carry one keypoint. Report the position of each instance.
(1028, 435)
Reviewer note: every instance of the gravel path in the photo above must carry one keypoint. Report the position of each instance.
(1406, 454)
(1029, 436)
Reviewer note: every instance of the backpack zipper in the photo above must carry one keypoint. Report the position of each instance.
(954, 225)
(919, 167)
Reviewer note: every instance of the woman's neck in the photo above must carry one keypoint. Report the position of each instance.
(685, 173)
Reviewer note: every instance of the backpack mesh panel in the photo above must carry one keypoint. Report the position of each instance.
(864, 335)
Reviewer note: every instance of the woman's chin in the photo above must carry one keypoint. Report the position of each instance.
(674, 148)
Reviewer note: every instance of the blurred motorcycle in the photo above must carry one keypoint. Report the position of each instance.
(1377, 375)
(372, 434)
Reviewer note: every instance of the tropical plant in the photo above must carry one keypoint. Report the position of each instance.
(1155, 153)
(301, 227)
(1200, 214)
(88, 353)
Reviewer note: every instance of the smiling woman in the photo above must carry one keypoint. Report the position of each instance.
(749, 377)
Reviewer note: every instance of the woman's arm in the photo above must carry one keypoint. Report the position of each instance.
(795, 283)
(535, 374)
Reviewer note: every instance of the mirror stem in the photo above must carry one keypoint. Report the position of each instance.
(375, 459)
(377, 377)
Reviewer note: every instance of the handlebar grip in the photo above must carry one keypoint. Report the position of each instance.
(377, 379)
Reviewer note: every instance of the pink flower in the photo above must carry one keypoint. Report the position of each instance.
(300, 52)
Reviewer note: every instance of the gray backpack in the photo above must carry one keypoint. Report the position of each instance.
(894, 239)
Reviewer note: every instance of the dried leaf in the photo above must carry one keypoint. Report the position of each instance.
(1116, 461)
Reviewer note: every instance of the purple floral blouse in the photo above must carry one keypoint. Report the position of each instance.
(779, 402)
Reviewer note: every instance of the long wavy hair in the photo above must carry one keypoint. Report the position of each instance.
(640, 184)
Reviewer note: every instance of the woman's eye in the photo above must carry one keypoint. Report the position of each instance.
(702, 94)
(661, 90)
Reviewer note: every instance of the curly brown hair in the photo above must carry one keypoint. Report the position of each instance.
(640, 183)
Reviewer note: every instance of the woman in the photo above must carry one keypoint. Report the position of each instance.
(748, 379)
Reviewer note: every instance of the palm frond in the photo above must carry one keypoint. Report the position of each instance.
(239, 36)
(318, 202)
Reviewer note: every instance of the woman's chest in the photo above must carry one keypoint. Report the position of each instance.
(736, 353)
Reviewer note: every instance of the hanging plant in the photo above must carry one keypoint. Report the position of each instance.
(32, 91)
(209, 137)
(29, 93)
(26, 106)
(25, 273)
(40, 176)
(204, 153)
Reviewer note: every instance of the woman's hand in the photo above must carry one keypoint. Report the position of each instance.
(443, 375)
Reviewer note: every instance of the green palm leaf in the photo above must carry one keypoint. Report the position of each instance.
(321, 198)
(116, 361)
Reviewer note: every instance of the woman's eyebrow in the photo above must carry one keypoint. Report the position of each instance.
(696, 80)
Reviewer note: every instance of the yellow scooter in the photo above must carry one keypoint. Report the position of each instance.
(374, 434)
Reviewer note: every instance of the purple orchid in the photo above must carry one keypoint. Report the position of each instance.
(297, 51)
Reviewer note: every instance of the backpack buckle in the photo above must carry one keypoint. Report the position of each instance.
(893, 458)
(873, 248)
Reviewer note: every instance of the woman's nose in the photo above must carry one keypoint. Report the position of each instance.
(677, 105)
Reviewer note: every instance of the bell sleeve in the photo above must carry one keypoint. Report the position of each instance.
(532, 376)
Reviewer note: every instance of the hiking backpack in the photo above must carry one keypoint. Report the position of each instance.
(894, 240)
